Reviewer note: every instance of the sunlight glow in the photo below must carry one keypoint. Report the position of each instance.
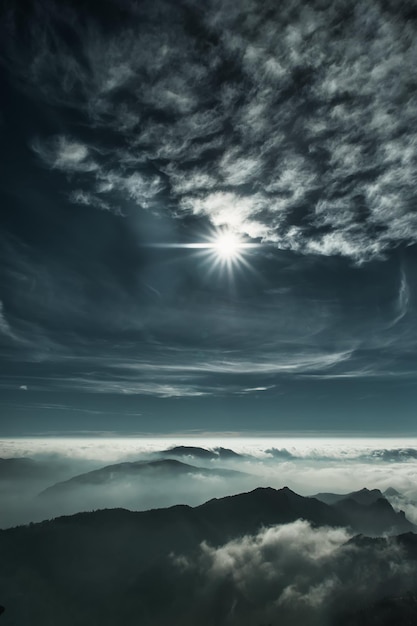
(226, 253)
(221, 250)
(227, 246)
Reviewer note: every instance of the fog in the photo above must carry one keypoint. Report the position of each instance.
(225, 563)
(307, 466)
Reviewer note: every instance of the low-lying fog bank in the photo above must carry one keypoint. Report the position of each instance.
(42, 478)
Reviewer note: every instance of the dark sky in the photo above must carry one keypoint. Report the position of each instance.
(126, 124)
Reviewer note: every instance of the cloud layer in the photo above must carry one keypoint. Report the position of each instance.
(307, 466)
(294, 124)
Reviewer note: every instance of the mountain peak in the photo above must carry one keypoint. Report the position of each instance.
(391, 492)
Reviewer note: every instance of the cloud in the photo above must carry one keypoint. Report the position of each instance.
(296, 572)
(4, 324)
(395, 455)
(65, 154)
(78, 196)
(290, 125)
(403, 299)
(168, 373)
(133, 387)
(293, 126)
(5, 328)
(205, 351)
(281, 454)
(308, 466)
(256, 389)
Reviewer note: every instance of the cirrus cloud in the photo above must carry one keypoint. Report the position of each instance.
(293, 124)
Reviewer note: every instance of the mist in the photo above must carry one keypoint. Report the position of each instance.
(295, 574)
(50, 477)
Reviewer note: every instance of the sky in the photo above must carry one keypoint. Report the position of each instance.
(134, 136)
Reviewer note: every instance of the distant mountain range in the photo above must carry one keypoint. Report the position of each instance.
(112, 475)
(368, 511)
(218, 453)
(21, 468)
(365, 511)
(363, 496)
(118, 566)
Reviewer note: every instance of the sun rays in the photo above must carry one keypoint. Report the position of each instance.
(222, 250)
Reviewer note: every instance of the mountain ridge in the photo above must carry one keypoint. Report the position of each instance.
(120, 566)
(265, 506)
(144, 468)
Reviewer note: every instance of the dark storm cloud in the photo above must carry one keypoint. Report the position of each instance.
(290, 123)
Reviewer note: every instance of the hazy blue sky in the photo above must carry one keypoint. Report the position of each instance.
(127, 124)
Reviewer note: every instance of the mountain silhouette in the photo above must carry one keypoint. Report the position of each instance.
(390, 611)
(118, 566)
(217, 453)
(368, 511)
(375, 518)
(120, 472)
(391, 492)
(21, 468)
(363, 496)
(247, 512)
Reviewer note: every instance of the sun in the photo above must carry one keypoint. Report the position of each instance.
(221, 250)
(227, 252)
(227, 246)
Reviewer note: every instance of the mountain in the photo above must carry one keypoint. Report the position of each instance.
(217, 453)
(267, 506)
(392, 493)
(362, 511)
(118, 566)
(112, 475)
(374, 519)
(231, 516)
(363, 496)
(247, 512)
(21, 468)
(368, 511)
(390, 611)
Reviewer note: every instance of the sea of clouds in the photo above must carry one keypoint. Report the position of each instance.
(306, 465)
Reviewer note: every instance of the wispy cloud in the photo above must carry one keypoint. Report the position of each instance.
(4, 324)
(403, 299)
(5, 328)
(293, 125)
(65, 154)
(307, 141)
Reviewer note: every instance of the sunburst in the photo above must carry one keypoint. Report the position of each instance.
(222, 250)
(227, 246)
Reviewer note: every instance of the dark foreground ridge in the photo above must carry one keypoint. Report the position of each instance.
(119, 566)
(245, 513)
